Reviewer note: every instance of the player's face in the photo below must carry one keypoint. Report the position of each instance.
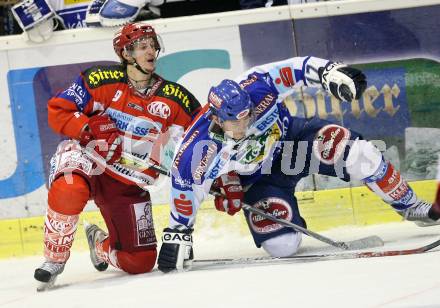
(236, 129)
(145, 53)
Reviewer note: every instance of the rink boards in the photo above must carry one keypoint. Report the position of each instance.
(395, 44)
(321, 209)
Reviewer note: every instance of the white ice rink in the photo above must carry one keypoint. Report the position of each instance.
(400, 281)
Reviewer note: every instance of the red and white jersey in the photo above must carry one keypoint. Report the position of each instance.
(145, 121)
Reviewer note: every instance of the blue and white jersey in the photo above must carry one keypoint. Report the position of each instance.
(72, 13)
(206, 153)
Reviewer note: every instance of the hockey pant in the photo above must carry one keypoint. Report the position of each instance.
(322, 148)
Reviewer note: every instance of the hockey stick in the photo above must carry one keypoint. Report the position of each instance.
(209, 263)
(367, 242)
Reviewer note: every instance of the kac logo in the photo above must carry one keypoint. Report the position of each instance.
(159, 109)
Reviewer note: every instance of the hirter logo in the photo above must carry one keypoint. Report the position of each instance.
(330, 142)
(276, 207)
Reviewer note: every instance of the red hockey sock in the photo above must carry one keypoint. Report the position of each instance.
(65, 203)
(389, 184)
(59, 232)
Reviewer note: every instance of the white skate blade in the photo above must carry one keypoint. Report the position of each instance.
(426, 224)
(45, 286)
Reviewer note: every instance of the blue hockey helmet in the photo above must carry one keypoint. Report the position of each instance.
(228, 101)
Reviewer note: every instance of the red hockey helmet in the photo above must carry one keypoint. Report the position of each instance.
(131, 33)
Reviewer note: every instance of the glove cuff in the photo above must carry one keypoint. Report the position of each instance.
(323, 73)
(179, 229)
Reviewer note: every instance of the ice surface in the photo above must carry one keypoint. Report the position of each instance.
(403, 281)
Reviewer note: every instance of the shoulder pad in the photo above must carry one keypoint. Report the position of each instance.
(180, 95)
(99, 75)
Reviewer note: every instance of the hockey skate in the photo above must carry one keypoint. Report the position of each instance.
(423, 214)
(47, 273)
(95, 234)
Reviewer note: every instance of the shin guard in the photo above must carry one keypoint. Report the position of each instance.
(59, 232)
(366, 163)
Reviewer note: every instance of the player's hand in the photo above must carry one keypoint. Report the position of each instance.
(230, 186)
(176, 252)
(102, 136)
(344, 82)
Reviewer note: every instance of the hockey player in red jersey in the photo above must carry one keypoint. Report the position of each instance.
(109, 110)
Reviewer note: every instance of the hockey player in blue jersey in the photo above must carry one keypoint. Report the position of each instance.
(245, 144)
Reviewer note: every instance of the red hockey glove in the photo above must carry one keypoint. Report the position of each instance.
(102, 136)
(230, 186)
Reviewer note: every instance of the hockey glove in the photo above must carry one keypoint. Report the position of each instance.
(176, 252)
(102, 136)
(230, 186)
(344, 82)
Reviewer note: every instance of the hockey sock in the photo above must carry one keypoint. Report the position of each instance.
(388, 183)
(59, 232)
(65, 203)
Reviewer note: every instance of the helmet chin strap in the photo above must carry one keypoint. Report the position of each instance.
(139, 68)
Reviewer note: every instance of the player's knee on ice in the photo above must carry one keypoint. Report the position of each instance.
(284, 245)
(139, 262)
